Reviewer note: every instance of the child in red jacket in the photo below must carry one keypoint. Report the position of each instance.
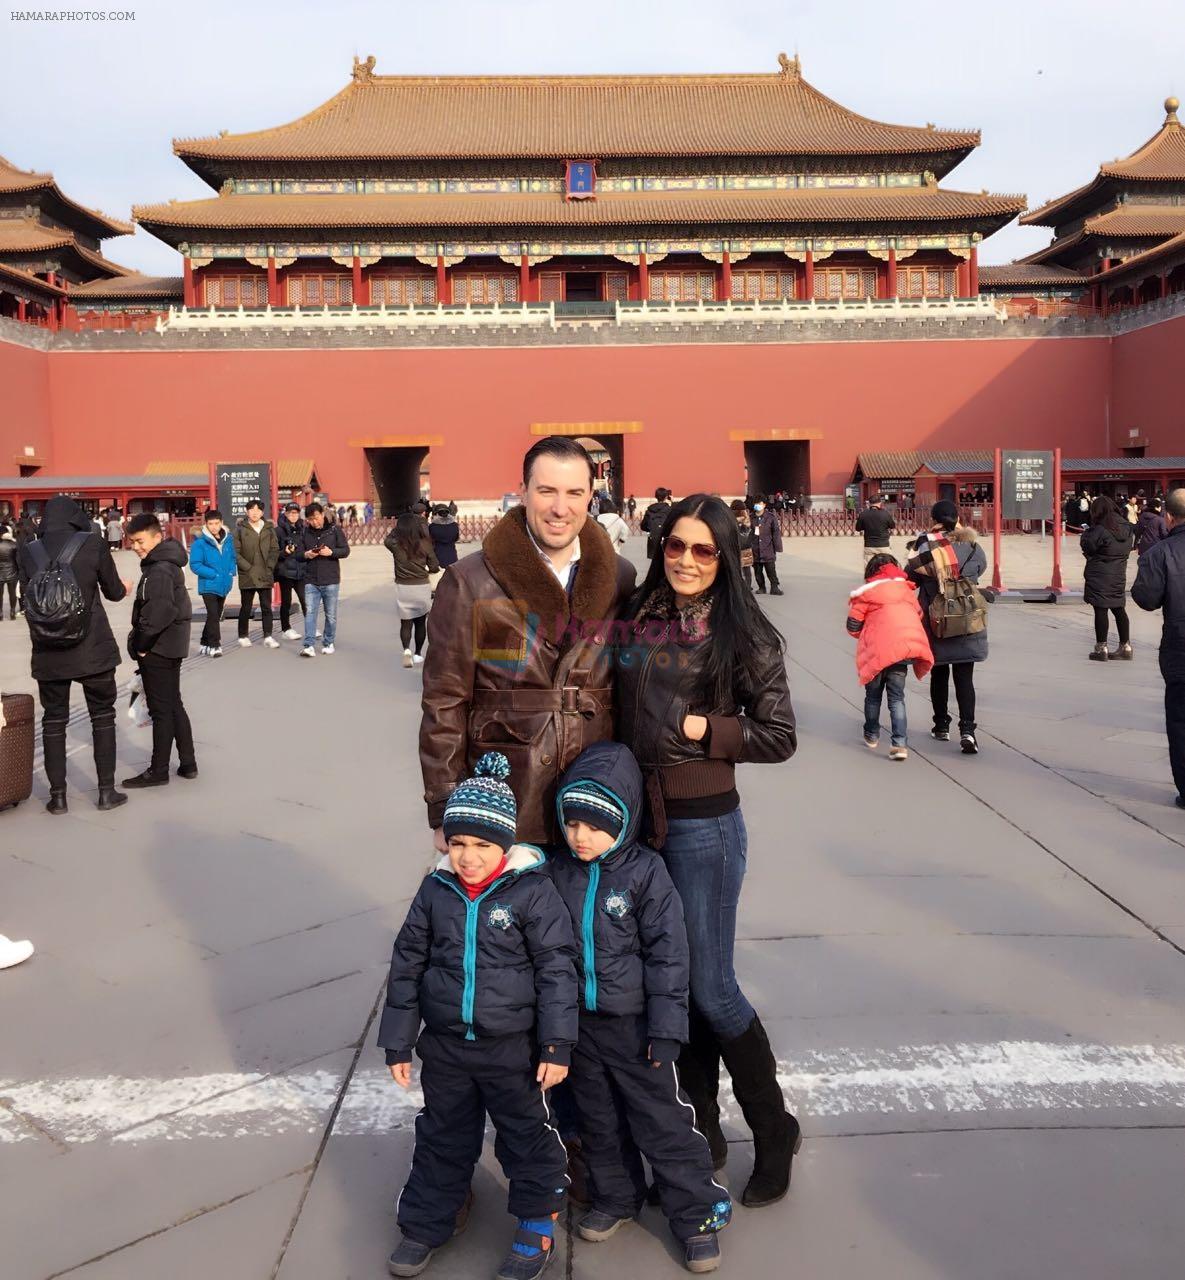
(885, 618)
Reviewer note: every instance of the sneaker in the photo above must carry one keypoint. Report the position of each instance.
(216, 651)
(898, 753)
(290, 634)
(407, 657)
(327, 648)
(244, 642)
(968, 744)
(702, 1253)
(527, 1265)
(270, 642)
(188, 771)
(940, 735)
(418, 660)
(308, 652)
(145, 779)
(870, 742)
(203, 649)
(597, 1225)
(13, 953)
(410, 1258)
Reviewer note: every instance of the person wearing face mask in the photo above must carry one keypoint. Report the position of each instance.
(700, 687)
(767, 542)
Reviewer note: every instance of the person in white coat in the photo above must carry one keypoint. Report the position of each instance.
(614, 525)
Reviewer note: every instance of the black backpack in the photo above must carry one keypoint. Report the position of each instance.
(54, 605)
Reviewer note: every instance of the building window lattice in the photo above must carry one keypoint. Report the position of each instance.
(236, 291)
(320, 291)
(682, 286)
(402, 291)
(762, 286)
(849, 283)
(926, 282)
(485, 288)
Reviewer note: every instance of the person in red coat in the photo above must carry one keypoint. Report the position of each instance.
(886, 620)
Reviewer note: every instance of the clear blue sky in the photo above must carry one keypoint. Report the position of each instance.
(1055, 86)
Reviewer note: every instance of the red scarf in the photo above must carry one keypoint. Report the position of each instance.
(473, 890)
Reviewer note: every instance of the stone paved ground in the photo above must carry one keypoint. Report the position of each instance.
(973, 972)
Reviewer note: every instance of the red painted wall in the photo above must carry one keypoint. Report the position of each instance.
(1146, 394)
(24, 406)
(116, 411)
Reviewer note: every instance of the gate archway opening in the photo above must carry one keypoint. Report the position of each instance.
(606, 442)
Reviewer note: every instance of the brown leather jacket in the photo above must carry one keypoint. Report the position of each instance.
(513, 666)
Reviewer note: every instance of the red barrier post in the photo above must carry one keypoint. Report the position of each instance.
(997, 521)
(1056, 586)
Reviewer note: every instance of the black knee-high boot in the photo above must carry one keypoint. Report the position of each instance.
(776, 1135)
(53, 743)
(103, 737)
(699, 1077)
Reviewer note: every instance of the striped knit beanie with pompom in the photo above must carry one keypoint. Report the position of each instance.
(483, 806)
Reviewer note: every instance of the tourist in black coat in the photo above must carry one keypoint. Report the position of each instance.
(8, 570)
(444, 532)
(1107, 545)
(91, 662)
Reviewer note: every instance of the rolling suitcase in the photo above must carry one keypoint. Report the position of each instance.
(16, 749)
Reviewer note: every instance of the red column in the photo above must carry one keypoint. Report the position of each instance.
(188, 296)
(892, 273)
(808, 277)
(961, 278)
(643, 278)
(725, 286)
(273, 283)
(359, 300)
(1164, 284)
(51, 315)
(21, 310)
(443, 292)
(973, 272)
(51, 277)
(524, 279)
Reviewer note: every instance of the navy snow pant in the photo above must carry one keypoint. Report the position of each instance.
(629, 1109)
(463, 1080)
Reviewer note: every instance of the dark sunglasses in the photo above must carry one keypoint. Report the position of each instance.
(701, 552)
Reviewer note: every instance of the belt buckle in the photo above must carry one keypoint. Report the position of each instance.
(570, 700)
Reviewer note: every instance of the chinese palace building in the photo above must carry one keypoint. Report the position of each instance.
(729, 282)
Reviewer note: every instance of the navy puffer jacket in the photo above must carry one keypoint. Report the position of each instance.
(500, 964)
(631, 952)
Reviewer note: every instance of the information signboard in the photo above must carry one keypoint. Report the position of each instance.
(237, 483)
(1027, 484)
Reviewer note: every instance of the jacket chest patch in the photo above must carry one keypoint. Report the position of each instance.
(616, 903)
(500, 916)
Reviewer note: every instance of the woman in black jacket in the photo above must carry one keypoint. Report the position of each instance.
(701, 687)
(444, 532)
(91, 662)
(8, 570)
(1107, 545)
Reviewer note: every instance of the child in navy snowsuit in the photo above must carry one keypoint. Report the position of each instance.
(632, 964)
(485, 960)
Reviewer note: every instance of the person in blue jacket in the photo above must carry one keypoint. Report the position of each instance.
(632, 965)
(213, 561)
(485, 961)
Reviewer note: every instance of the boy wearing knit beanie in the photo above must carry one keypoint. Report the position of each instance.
(485, 961)
(632, 965)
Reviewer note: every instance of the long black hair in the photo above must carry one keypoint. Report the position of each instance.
(1103, 511)
(410, 535)
(739, 629)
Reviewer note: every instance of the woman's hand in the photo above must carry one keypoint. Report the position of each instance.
(401, 1074)
(694, 727)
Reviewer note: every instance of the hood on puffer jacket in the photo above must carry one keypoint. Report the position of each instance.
(64, 513)
(519, 859)
(611, 768)
(169, 551)
(218, 542)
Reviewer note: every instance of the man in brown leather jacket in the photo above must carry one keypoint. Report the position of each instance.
(517, 660)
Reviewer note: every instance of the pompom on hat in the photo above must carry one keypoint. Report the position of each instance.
(484, 805)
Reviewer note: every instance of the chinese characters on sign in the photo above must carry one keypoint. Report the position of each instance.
(1028, 485)
(237, 483)
(581, 180)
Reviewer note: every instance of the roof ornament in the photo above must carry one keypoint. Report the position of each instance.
(791, 69)
(1171, 106)
(364, 71)
(227, 188)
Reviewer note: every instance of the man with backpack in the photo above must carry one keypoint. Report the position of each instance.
(63, 574)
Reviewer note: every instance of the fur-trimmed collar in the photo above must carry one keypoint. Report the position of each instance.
(515, 563)
(519, 858)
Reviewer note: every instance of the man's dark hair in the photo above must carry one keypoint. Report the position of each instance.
(314, 508)
(563, 447)
(662, 495)
(1175, 503)
(145, 520)
(877, 562)
(212, 514)
(608, 506)
(254, 503)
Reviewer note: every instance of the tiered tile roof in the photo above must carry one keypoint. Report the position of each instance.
(92, 221)
(1022, 274)
(20, 236)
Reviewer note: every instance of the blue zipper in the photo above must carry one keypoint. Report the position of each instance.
(590, 945)
(469, 961)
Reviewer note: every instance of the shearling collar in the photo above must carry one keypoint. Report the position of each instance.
(514, 562)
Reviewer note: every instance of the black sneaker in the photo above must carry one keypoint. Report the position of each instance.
(702, 1253)
(410, 1258)
(145, 779)
(187, 771)
(597, 1225)
(968, 744)
(940, 735)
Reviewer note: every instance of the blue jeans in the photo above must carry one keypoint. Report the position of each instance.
(891, 680)
(313, 596)
(706, 859)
